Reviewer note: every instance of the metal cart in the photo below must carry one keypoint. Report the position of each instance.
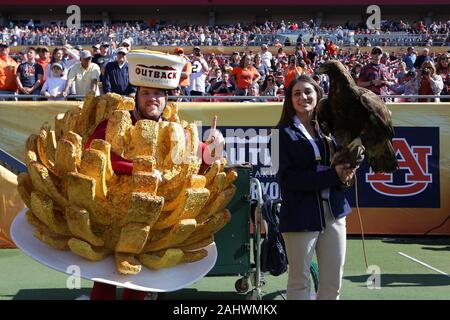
(234, 240)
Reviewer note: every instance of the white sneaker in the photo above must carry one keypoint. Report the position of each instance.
(83, 297)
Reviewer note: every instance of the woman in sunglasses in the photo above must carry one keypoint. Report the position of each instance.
(269, 86)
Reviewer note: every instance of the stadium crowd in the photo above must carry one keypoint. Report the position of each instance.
(70, 70)
(161, 33)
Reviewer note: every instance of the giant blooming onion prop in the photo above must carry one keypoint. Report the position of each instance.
(76, 202)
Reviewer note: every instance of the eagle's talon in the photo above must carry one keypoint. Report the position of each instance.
(356, 143)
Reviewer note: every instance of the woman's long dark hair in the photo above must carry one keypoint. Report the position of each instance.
(242, 61)
(52, 59)
(288, 109)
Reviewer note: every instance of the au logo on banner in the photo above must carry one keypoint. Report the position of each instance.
(415, 184)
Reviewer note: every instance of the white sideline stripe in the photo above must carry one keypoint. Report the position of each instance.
(424, 264)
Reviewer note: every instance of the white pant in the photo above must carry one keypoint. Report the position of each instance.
(330, 246)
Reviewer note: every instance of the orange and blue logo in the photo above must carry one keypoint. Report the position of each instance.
(415, 184)
(413, 159)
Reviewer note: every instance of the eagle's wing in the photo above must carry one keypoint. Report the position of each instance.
(324, 116)
(377, 110)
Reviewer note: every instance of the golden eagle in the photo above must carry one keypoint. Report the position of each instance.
(358, 119)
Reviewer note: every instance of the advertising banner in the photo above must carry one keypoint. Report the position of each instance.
(413, 200)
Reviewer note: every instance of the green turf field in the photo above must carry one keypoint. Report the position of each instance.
(23, 278)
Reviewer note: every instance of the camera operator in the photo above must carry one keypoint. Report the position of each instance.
(293, 71)
(199, 71)
(428, 82)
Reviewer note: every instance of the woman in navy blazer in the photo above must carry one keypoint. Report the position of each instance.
(312, 217)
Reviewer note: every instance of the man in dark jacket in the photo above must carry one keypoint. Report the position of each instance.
(116, 77)
(425, 56)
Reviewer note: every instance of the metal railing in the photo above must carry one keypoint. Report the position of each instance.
(11, 163)
(209, 97)
(342, 36)
(402, 39)
(349, 38)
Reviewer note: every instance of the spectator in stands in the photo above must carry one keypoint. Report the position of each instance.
(312, 55)
(355, 70)
(226, 68)
(54, 85)
(253, 91)
(428, 82)
(443, 70)
(8, 67)
(235, 60)
(176, 93)
(385, 59)
(213, 76)
(185, 73)
(116, 77)
(95, 49)
(324, 83)
(277, 43)
(266, 56)
(112, 52)
(78, 49)
(280, 55)
(84, 75)
(69, 54)
(298, 54)
(279, 80)
(283, 64)
(223, 86)
(425, 56)
(320, 48)
(244, 75)
(410, 58)
(302, 52)
(43, 59)
(374, 76)
(269, 86)
(29, 75)
(213, 63)
(332, 49)
(57, 57)
(407, 87)
(126, 43)
(102, 57)
(263, 69)
(306, 68)
(199, 71)
(293, 71)
(400, 73)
